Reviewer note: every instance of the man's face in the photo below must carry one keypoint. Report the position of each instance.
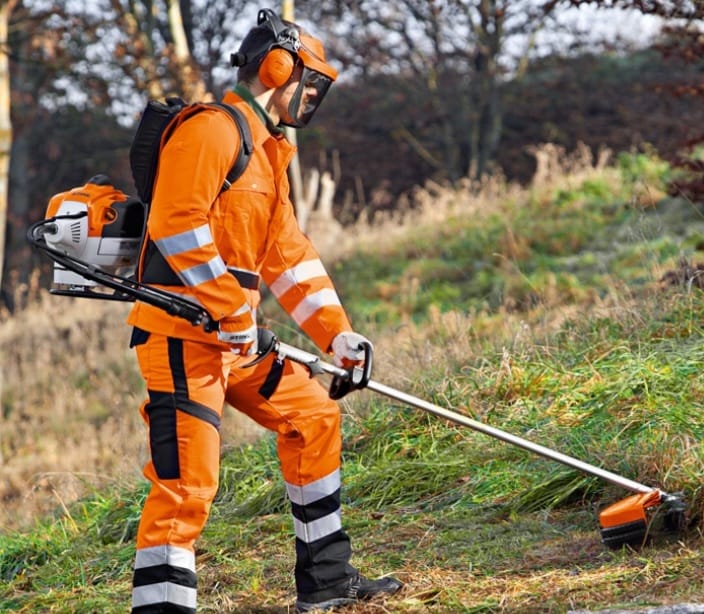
(283, 95)
(313, 84)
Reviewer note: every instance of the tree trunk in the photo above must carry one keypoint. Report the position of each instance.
(295, 174)
(192, 84)
(486, 125)
(6, 7)
(5, 125)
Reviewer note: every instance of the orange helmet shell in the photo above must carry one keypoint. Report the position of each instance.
(312, 54)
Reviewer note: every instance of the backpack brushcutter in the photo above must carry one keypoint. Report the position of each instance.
(81, 238)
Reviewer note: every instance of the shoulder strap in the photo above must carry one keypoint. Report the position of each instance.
(154, 267)
(246, 149)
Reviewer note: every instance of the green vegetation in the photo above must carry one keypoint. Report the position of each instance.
(542, 315)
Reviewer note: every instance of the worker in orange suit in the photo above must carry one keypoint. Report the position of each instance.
(213, 244)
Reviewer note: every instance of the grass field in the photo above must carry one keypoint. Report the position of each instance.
(569, 313)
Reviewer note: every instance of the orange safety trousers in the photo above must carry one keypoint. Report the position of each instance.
(188, 383)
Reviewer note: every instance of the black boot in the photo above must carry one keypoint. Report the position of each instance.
(347, 592)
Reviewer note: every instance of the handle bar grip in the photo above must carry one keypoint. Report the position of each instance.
(355, 378)
(343, 380)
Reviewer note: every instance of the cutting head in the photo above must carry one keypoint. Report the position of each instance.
(626, 522)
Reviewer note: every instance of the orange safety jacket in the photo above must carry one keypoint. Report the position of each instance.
(221, 243)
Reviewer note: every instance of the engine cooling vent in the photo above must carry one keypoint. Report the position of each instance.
(76, 232)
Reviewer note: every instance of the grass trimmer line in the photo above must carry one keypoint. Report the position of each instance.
(65, 236)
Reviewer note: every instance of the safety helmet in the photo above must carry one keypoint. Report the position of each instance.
(278, 47)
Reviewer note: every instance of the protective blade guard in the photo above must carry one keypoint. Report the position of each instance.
(622, 524)
(626, 522)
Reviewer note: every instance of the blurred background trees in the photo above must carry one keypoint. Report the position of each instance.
(448, 90)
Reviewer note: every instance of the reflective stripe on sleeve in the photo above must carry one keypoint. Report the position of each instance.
(196, 275)
(243, 336)
(185, 241)
(327, 297)
(244, 308)
(304, 271)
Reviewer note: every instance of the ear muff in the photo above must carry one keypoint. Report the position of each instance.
(276, 67)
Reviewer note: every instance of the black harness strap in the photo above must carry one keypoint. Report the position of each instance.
(155, 269)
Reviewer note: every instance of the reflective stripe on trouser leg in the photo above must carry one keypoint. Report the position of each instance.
(322, 547)
(309, 445)
(185, 382)
(164, 575)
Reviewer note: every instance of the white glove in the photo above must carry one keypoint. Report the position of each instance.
(347, 349)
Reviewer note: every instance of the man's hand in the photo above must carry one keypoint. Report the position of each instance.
(348, 349)
(240, 332)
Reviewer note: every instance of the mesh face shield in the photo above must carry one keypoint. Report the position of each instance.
(316, 79)
(307, 98)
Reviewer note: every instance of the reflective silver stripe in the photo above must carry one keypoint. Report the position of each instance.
(301, 272)
(243, 309)
(165, 555)
(317, 529)
(203, 272)
(303, 495)
(164, 592)
(185, 241)
(248, 335)
(244, 336)
(309, 305)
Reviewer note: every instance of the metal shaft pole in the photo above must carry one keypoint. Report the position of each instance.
(508, 438)
(316, 365)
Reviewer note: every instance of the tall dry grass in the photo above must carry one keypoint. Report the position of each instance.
(71, 391)
(70, 394)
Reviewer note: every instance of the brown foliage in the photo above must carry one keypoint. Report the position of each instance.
(621, 103)
(681, 45)
(616, 103)
(686, 44)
